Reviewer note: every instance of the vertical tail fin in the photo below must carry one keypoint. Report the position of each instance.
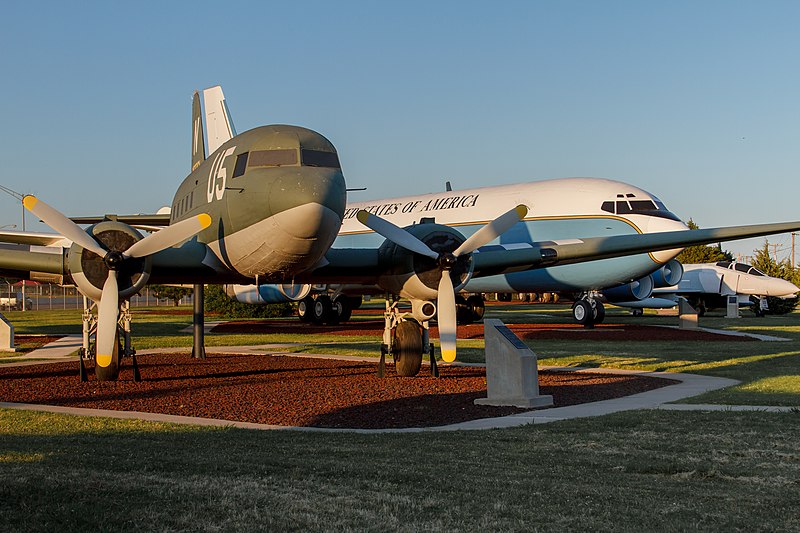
(218, 119)
(198, 138)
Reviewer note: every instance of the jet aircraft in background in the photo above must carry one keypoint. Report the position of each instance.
(267, 205)
(709, 285)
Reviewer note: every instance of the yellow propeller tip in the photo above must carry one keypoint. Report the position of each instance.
(522, 211)
(103, 360)
(362, 216)
(29, 201)
(448, 355)
(204, 219)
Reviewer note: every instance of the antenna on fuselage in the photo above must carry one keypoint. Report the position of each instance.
(447, 186)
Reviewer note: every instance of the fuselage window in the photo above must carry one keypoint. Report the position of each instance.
(241, 165)
(317, 158)
(272, 158)
(608, 206)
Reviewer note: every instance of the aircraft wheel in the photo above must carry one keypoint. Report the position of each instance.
(476, 307)
(407, 348)
(463, 311)
(110, 372)
(598, 312)
(701, 308)
(304, 309)
(342, 306)
(583, 313)
(322, 312)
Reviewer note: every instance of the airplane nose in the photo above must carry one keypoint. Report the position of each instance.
(310, 199)
(783, 288)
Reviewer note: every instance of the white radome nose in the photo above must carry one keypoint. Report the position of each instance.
(782, 288)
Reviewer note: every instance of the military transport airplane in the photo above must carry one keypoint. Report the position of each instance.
(266, 206)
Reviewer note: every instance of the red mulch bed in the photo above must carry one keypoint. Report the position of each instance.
(613, 332)
(297, 391)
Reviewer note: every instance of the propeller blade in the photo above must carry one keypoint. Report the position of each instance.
(107, 315)
(492, 230)
(62, 224)
(446, 306)
(169, 236)
(395, 234)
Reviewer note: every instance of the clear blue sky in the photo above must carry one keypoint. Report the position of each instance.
(695, 101)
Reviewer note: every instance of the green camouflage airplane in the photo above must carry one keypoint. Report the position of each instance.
(265, 208)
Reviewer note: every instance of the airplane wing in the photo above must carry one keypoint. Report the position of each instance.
(33, 238)
(494, 261)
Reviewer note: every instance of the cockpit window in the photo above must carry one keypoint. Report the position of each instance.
(318, 158)
(640, 206)
(653, 208)
(241, 164)
(273, 158)
(724, 264)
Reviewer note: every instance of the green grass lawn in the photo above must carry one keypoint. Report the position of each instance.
(633, 471)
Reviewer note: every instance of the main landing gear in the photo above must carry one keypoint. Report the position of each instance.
(407, 341)
(122, 344)
(588, 311)
(323, 309)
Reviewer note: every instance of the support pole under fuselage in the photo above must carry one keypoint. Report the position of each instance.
(198, 347)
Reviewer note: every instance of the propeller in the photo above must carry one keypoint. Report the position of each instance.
(445, 297)
(108, 306)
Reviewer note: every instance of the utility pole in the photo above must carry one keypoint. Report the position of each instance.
(793, 234)
(18, 196)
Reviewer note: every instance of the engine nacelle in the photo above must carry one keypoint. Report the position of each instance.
(416, 276)
(668, 275)
(90, 272)
(635, 290)
(267, 294)
(422, 310)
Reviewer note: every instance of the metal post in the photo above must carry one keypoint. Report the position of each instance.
(198, 347)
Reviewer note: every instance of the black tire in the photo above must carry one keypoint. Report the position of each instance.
(322, 312)
(463, 312)
(342, 306)
(304, 309)
(583, 313)
(598, 312)
(110, 372)
(476, 307)
(407, 348)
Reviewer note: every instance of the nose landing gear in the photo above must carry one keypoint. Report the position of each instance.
(588, 311)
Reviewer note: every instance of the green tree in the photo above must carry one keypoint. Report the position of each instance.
(783, 269)
(693, 255)
(170, 292)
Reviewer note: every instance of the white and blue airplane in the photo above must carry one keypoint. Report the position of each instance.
(710, 285)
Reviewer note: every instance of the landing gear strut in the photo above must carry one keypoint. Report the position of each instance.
(407, 341)
(122, 344)
(588, 311)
